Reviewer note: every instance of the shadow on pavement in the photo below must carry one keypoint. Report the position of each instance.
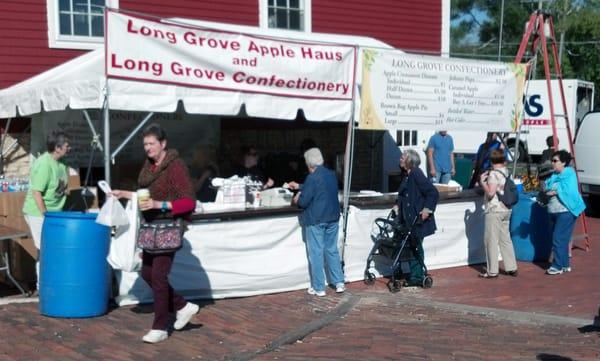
(550, 357)
(594, 327)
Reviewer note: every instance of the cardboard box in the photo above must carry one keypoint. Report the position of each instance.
(74, 181)
(445, 188)
(22, 251)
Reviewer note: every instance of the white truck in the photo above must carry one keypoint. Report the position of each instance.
(579, 97)
(587, 148)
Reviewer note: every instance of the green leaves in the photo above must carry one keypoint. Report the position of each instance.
(475, 33)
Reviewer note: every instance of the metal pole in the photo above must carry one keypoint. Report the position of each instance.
(131, 135)
(106, 136)
(501, 28)
(348, 166)
(95, 135)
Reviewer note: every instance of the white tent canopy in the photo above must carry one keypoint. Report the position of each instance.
(81, 83)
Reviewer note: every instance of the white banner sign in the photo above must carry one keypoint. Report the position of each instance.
(402, 91)
(152, 51)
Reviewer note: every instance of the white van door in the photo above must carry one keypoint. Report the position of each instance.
(587, 149)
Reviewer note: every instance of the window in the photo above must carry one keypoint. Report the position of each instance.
(405, 138)
(77, 24)
(285, 14)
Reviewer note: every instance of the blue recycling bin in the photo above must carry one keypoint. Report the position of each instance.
(530, 230)
(74, 274)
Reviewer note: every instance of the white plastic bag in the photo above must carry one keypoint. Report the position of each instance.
(112, 213)
(124, 254)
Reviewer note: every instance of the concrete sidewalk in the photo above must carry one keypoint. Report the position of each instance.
(463, 317)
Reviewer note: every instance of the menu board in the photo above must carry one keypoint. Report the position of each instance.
(185, 133)
(401, 91)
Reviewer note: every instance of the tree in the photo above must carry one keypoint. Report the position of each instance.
(475, 29)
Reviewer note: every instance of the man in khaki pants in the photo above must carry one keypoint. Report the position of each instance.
(497, 219)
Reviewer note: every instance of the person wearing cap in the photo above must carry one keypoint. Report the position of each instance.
(318, 198)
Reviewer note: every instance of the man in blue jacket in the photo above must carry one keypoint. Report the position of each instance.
(318, 197)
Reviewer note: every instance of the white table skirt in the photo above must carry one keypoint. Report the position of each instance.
(267, 255)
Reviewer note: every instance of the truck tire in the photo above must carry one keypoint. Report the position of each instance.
(594, 203)
(521, 155)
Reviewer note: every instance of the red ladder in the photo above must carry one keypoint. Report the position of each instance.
(538, 25)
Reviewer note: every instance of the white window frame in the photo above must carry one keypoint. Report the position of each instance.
(263, 16)
(58, 41)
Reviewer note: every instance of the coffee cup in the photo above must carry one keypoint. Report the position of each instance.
(143, 195)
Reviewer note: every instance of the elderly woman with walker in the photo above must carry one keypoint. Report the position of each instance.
(415, 204)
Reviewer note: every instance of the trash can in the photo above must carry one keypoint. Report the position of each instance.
(464, 170)
(530, 230)
(74, 274)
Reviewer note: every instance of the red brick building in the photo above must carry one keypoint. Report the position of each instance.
(40, 34)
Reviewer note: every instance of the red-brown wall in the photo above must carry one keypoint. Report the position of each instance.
(408, 25)
(243, 12)
(24, 48)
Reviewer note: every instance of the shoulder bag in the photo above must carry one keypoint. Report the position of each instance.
(161, 236)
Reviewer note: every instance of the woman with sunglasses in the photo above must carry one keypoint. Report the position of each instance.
(564, 206)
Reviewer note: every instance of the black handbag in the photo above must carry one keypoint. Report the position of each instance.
(161, 236)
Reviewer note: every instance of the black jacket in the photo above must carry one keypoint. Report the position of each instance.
(415, 193)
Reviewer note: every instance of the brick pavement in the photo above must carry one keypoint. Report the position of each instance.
(531, 317)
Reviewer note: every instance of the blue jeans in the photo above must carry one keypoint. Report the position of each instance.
(562, 225)
(321, 245)
(441, 177)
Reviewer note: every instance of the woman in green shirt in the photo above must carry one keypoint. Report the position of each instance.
(47, 186)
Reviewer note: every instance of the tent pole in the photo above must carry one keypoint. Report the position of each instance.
(106, 137)
(95, 136)
(131, 135)
(347, 180)
(348, 159)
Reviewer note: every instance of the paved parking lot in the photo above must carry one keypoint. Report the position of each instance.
(531, 317)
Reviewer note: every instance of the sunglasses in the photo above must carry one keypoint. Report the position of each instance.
(555, 160)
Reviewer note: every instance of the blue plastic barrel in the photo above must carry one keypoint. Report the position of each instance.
(74, 274)
(530, 230)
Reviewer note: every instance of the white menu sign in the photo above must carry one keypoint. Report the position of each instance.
(401, 91)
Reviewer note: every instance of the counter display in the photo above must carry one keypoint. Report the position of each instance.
(261, 251)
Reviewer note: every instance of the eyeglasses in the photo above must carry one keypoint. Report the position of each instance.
(555, 160)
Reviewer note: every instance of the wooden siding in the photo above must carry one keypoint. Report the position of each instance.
(24, 50)
(408, 25)
(242, 12)
(404, 24)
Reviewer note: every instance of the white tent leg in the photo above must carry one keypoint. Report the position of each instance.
(106, 138)
(347, 180)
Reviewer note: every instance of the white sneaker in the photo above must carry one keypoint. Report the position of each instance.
(155, 336)
(566, 269)
(311, 291)
(185, 315)
(340, 287)
(554, 271)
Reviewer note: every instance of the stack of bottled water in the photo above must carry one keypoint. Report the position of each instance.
(13, 184)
